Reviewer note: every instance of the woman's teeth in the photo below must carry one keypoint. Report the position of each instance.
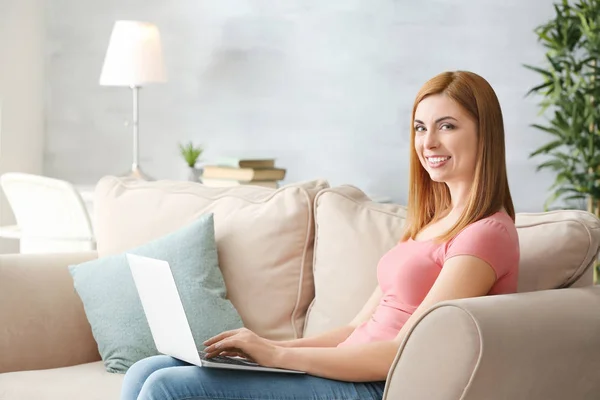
(437, 160)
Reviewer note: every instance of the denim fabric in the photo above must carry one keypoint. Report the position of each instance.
(165, 378)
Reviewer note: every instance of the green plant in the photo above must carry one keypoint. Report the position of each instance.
(190, 153)
(570, 99)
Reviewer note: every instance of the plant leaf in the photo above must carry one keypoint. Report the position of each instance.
(547, 148)
(548, 74)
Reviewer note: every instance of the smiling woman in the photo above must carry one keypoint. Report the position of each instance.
(460, 241)
(458, 149)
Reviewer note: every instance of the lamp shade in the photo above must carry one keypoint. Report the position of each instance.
(134, 55)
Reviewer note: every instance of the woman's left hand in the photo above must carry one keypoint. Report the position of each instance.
(245, 343)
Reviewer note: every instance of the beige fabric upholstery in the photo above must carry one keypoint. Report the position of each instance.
(443, 352)
(264, 237)
(352, 233)
(43, 324)
(557, 247)
(86, 381)
(526, 346)
(585, 280)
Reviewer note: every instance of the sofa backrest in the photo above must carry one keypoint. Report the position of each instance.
(264, 237)
(302, 259)
(352, 233)
(557, 248)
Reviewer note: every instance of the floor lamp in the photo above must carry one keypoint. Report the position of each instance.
(134, 59)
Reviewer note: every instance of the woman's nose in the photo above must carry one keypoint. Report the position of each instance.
(430, 141)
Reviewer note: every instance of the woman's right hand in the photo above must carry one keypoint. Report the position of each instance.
(232, 332)
(246, 344)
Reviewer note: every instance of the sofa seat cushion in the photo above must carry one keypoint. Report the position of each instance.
(264, 239)
(85, 381)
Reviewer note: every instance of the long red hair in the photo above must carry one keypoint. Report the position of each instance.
(427, 199)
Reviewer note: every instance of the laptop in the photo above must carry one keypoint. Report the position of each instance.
(167, 320)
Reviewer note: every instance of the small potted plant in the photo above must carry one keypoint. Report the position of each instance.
(191, 155)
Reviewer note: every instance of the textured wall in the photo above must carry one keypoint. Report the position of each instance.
(21, 95)
(325, 86)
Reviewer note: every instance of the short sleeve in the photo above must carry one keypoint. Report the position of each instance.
(490, 241)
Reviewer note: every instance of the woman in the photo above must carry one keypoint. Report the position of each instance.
(460, 241)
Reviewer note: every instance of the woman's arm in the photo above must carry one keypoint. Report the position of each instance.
(327, 339)
(359, 363)
(336, 336)
(461, 277)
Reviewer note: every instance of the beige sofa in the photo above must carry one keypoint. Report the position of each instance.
(302, 259)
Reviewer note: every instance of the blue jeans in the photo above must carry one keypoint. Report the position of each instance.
(165, 378)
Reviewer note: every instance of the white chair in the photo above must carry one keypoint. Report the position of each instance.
(50, 214)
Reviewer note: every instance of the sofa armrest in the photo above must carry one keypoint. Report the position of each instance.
(534, 346)
(42, 321)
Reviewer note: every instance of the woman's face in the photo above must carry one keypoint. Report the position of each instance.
(445, 139)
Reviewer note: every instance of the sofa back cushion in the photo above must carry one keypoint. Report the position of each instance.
(264, 239)
(557, 247)
(352, 233)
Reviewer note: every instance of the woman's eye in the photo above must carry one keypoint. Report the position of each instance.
(419, 128)
(447, 126)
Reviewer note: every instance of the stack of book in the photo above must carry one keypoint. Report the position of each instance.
(243, 171)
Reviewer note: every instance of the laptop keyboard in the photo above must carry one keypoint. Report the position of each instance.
(226, 360)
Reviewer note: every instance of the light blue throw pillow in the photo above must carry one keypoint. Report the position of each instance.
(114, 309)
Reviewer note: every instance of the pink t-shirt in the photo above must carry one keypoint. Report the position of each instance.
(407, 272)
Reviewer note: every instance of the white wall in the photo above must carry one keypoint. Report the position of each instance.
(325, 86)
(21, 94)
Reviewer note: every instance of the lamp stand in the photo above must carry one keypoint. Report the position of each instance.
(136, 172)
